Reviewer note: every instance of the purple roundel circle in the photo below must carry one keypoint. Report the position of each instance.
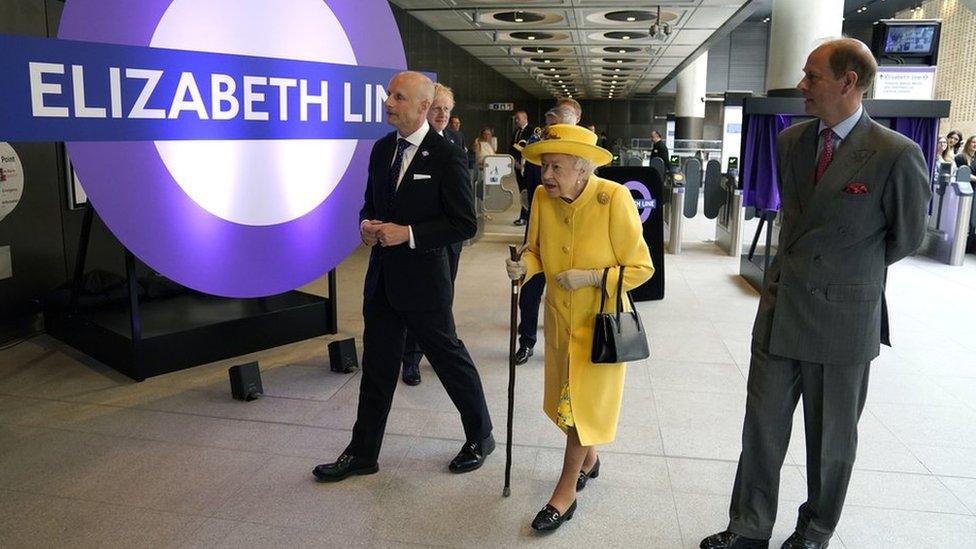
(646, 203)
(136, 195)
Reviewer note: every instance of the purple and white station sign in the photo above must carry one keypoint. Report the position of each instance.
(224, 142)
(646, 203)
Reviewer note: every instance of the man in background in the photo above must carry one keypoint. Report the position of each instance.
(566, 111)
(438, 117)
(659, 149)
(522, 132)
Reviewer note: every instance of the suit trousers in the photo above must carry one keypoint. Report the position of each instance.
(523, 187)
(833, 398)
(383, 338)
(530, 297)
(412, 353)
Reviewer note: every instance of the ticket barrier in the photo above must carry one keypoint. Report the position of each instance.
(496, 189)
(724, 204)
(951, 218)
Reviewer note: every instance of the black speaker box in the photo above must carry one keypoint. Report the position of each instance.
(343, 357)
(245, 381)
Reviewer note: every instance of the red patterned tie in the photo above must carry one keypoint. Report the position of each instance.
(826, 154)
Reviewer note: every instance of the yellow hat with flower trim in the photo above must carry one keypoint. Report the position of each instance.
(567, 139)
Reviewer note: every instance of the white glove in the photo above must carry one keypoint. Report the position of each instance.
(516, 269)
(574, 279)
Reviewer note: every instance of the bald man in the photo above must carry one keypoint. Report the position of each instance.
(417, 204)
(854, 198)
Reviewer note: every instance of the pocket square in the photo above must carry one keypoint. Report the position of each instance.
(856, 188)
(417, 176)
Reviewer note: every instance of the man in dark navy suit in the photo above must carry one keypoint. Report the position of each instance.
(416, 205)
(523, 131)
(438, 117)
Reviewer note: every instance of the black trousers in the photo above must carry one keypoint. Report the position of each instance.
(382, 350)
(833, 398)
(412, 353)
(530, 297)
(523, 187)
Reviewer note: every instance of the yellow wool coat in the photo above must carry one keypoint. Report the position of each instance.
(601, 228)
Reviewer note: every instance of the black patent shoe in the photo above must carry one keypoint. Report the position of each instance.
(584, 476)
(797, 541)
(344, 467)
(731, 540)
(523, 354)
(472, 455)
(549, 518)
(411, 374)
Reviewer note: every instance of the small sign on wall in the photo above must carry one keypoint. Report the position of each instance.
(501, 106)
(904, 82)
(11, 179)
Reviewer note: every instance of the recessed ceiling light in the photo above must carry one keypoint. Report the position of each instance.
(530, 37)
(546, 61)
(552, 68)
(620, 60)
(540, 50)
(626, 37)
(622, 51)
(616, 70)
(631, 19)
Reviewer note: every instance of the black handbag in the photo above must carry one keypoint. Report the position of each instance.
(618, 337)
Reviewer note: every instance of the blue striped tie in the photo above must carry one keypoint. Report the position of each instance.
(402, 145)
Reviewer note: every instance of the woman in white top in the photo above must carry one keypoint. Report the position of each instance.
(483, 146)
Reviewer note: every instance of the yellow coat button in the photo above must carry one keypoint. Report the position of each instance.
(565, 249)
(567, 220)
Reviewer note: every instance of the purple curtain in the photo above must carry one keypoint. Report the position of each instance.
(925, 132)
(759, 180)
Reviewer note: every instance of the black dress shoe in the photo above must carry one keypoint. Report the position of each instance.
(584, 476)
(523, 354)
(731, 540)
(549, 518)
(797, 541)
(411, 374)
(472, 455)
(343, 467)
(519, 222)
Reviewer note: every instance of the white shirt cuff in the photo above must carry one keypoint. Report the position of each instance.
(413, 245)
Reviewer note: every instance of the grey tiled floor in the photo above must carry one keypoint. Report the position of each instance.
(90, 459)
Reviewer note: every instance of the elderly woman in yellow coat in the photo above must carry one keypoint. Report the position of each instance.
(579, 225)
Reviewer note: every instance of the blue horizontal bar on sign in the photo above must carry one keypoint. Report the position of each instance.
(63, 90)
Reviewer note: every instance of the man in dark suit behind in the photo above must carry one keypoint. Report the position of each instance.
(438, 117)
(523, 131)
(416, 204)
(854, 197)
(660, 149)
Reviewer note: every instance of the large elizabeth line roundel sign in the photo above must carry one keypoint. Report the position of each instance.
(224, 142)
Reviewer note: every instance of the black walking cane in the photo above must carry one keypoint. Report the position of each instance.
(507, 491)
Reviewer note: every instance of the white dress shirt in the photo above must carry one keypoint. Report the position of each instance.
(415, 139)
(841, 131)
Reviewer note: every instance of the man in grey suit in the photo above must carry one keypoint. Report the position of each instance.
(854, 197)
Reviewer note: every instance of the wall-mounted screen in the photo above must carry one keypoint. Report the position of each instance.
(909, 39)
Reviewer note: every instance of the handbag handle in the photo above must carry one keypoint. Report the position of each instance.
(620, 297)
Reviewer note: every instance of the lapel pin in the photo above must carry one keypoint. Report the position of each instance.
(424, 153)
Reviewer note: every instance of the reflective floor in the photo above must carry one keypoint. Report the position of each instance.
(89, 458)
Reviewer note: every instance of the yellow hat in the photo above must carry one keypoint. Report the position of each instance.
(567, 139)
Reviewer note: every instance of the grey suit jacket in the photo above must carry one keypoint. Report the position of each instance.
(822, 300)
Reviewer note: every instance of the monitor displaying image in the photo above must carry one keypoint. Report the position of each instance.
(909, 39)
